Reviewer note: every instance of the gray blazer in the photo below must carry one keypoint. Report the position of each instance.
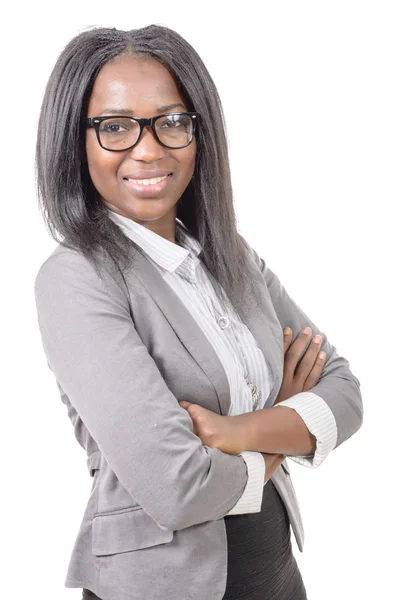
(124, 351)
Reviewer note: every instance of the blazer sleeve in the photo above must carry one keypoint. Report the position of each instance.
(338, 387)
(93, 349)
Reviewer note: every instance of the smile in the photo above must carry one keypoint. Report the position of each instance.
(148, 181)
(148, 188)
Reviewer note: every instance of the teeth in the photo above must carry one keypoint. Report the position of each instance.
(149, 181)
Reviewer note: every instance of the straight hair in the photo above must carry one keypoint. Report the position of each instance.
(70, 204)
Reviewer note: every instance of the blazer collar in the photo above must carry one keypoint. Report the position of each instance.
(166, 254)
(196, 342)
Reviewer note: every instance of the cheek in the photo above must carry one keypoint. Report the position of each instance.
(101, 164)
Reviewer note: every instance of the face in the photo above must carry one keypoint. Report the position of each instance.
(144, 87)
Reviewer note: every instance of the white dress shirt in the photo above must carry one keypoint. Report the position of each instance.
(234, 345)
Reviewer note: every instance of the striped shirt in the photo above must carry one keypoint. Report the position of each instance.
(235, 346)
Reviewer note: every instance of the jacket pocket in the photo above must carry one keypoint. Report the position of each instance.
(131, 529)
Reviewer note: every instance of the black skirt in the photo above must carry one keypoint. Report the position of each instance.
(261, 565)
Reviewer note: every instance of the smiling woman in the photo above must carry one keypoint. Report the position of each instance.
(149, 73)
(163, 328)
(144, 88)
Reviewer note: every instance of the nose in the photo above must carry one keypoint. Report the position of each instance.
(148, 148)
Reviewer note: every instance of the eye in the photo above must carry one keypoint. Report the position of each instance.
(171, 123)
(114, 127)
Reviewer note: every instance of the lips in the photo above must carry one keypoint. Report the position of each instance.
(148, 190)
(152, 181)
(147, 174)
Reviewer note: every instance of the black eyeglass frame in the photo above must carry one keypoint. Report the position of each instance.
(143, 122)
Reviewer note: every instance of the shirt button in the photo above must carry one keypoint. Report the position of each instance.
(223, 322)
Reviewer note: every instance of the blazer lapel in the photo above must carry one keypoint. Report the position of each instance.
(196, 342)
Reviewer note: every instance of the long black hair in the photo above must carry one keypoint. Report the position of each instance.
(70, 204)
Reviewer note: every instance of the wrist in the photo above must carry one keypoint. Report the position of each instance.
(243, 428)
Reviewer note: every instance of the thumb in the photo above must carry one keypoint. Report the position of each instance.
(287, 338)
(185, 404)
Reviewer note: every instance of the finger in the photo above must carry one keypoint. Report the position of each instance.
(308, 361)
(184, 404)
(295, 351)
(287, 338)
(315, 373)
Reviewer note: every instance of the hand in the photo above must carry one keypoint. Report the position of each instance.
(308, 370)
(214, 430)
(272, 463)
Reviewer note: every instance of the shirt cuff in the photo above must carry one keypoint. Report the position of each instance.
(319, 420)
(251, 499)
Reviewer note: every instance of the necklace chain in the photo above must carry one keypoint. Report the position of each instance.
(255, 392)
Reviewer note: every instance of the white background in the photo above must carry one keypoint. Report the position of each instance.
(310, 91)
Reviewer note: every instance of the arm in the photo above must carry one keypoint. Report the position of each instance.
(100, 362)
(280, 431)
(333, 407)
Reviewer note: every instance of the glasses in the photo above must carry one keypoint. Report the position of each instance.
(119, 133)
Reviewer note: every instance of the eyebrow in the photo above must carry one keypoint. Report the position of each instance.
(130, 113)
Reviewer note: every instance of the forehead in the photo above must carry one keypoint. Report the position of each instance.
(137, 83)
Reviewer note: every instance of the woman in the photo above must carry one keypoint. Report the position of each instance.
(163, 329)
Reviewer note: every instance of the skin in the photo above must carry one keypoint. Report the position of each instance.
(274, 433)
(142, 85)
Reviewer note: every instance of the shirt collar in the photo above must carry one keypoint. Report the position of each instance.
(171, 257)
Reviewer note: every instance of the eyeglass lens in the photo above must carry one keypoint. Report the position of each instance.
(118, 133)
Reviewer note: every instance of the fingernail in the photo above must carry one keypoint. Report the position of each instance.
(307, 330)
(317, 339)
(286, 331)
(322, 355)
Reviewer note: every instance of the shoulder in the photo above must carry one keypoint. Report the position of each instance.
(254, 256)
(59, 261)
(67, 268)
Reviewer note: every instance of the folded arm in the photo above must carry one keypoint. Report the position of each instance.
(332, 410)
(102, 365)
